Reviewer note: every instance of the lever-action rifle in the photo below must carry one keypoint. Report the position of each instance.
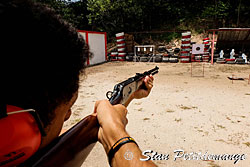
(72, 148)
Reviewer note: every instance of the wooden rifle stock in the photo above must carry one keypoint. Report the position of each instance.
(71, 148)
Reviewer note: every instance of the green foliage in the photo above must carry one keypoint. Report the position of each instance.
(115, 16)
(73, 12)
(219, 10)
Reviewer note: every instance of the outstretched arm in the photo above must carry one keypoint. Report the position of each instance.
(112, 120)
(141, 93)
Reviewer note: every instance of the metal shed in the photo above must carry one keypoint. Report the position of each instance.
(231, 38)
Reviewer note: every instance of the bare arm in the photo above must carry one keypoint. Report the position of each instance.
(112, 120)
(129, 155)
(141, 93)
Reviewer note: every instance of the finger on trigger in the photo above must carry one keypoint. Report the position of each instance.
(150, 84)
(151, 79)
(151, 76)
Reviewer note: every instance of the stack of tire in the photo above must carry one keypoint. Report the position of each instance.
(173, 59)
(192, 57)
(198, 58)
(113, 56)
(240, 60)
(144, 58)
(120, 41)
(230, 61)
(158, 58)
(185, 47)
(206, 56)
(129, 57)
(165, 57)
(220, 61)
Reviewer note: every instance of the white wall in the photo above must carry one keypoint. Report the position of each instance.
(97, 46)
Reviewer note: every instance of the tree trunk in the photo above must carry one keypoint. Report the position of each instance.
(238, 18)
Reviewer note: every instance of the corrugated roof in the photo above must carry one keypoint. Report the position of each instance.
(237, 38)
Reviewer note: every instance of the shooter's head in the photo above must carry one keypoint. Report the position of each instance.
(42, 56)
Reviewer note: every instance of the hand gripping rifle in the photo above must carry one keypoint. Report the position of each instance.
(123, 90)
(72, 148)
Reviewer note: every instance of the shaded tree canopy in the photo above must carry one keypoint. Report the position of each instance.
(145, 15)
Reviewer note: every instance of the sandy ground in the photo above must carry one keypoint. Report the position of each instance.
(195, 114)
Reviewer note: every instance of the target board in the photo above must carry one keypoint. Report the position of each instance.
(198, 49)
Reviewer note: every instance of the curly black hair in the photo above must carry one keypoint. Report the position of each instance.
(43, 57)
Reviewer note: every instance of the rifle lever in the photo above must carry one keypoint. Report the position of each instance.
(109, 94)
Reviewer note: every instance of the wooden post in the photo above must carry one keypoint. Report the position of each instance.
(203, 70)
(212, 56)
(249, 80)
(191, 69)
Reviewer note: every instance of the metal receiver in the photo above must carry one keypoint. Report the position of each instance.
(123, 90)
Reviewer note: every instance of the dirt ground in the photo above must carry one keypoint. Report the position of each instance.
(207, 114)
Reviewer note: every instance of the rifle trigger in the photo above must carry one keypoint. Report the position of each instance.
(109, 94)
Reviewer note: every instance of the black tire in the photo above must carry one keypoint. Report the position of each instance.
(158, 59)
(220, 61)
(173, 60)
(230, 62)
(161, 50)
(174, 56)
(144, 59)
(177, 50)
(165, 59)
(129, 58)
(240, 61)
